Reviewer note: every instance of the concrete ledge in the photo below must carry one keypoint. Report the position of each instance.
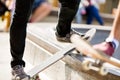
(41, 44)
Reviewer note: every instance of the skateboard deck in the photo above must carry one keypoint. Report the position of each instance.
(95, 60)
(57, 56)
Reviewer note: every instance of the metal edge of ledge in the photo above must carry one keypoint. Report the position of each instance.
(74, 25)
(98, 27)
(42, 42)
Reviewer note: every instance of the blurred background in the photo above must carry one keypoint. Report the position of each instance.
(107, 11)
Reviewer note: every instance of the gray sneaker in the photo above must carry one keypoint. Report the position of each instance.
(19, 74)
(67, 37)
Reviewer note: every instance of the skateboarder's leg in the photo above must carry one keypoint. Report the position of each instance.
(112, 42)
(115, 32)
(18, 35)
(68, 11)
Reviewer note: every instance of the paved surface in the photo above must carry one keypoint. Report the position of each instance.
(4, 57)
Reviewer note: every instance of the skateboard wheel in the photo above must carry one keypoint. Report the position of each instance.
(103, 71)
(17, 78)
(36, 77)
(86, 65)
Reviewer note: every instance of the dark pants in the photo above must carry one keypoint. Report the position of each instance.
(18, 31)
(92, 12)
(19, 24)
(67, 13)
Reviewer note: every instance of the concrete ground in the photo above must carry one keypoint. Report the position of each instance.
(5, 57)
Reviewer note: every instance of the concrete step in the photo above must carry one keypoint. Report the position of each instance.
(41, 44)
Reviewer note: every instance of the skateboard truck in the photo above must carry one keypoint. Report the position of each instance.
(86, 49)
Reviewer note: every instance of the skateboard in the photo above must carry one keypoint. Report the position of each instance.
(93, 59)
(33, 73)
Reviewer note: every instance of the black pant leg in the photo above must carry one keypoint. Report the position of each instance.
(67, 13)
(18, 31)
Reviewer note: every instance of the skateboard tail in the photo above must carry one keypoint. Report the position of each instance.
(88, 50)
(90, 33)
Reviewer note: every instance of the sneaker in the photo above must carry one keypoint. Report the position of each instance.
(67, 37)
(106, 47)
(19, 74)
